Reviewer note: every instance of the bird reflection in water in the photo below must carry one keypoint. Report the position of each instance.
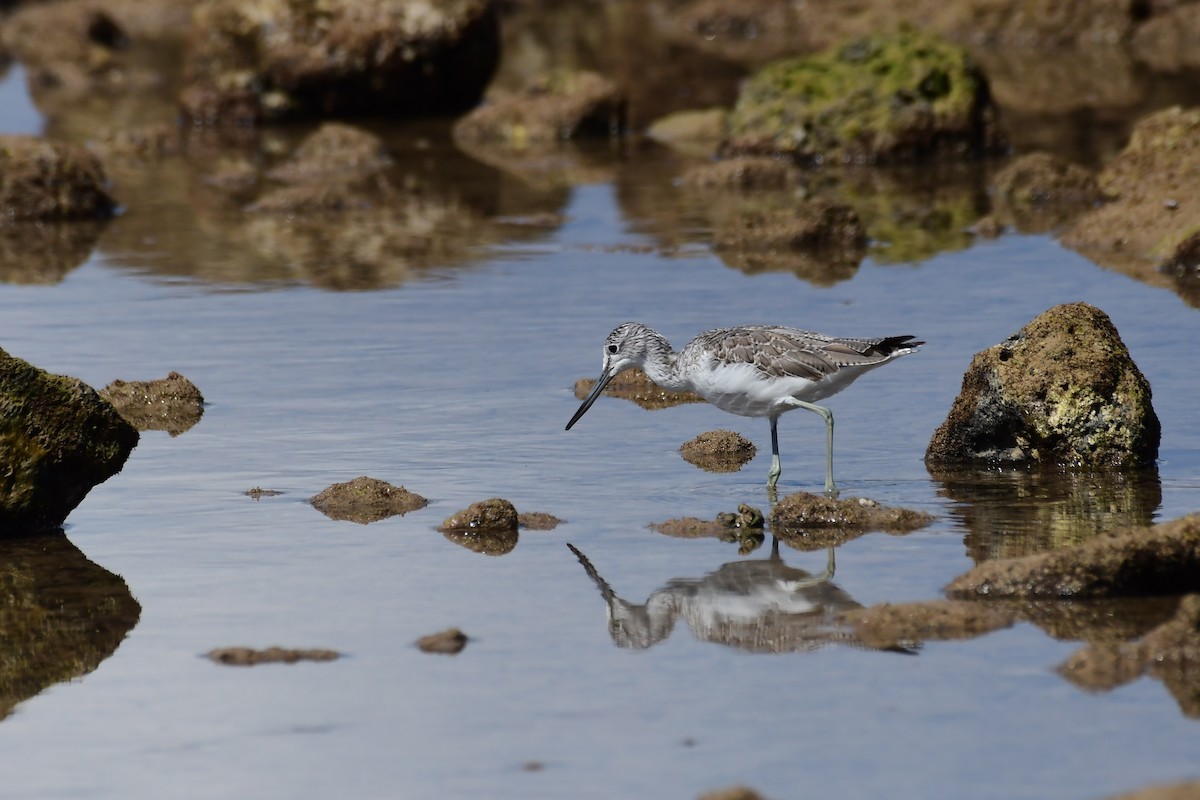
(759, 605)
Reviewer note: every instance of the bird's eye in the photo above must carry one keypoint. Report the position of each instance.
(612, 348)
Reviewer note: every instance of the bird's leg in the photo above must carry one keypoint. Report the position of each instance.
(776, 469)
(830, 488)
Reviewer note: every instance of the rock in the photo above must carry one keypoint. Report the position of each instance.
(827, 229)
(488, 543)
(42, 180)
(744, 528)
(1061, 391)
(364, 500)
(884, 98)
(731, 793)
(1153, 181)
(496, 515)
(538, 521)
(1163, 559)
(562, 105)
(1188, 790)
(685, 130)
(746, 174)
(171, 404)
(901, 624)
(249, 657)
(449, 642)
(809, 521)
(61, 614)
(635, 386)
(1183, 266)
(58, 439)
(277, 60)
(43, 253)
(1039, 192)
(258, 493)
(718, 451)
(335, 152)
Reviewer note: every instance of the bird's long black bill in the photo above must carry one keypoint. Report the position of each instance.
(601, 382)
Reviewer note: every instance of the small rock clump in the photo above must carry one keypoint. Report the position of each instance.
(249, 657)
(561, 105)
(744, 174)
(538, 521)
(494, 515)
(808, 521)
(1062, 391)
(633, 385)
(172, 404)
(449, 642)
(364, 500)
(718, 451)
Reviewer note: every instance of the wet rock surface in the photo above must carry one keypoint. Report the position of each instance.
(448, 642)
(1161, 560)
(249, 657)
(718, 451)
(172, 404)
(280, 60)
(58, 439)
(364, 500)
(1061, 391)
(745, 527)
(634, 385)
(1039, 192)
(883, 98)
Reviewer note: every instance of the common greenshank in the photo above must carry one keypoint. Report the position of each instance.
(752, 371)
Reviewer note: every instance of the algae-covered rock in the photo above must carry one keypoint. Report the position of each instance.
(58, 439)
(807, 521)
(1063, 391)
(364, 500)
(172, 404)
(60, 614)
(43, 180)
(276, 60)
(884, 98)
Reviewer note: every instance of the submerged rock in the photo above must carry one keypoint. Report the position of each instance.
(277, 60)
(538, 521)
(1063, 390)
(1039, 192)
(334, 152)
(364, 500)
(58, 439)
(889, 97)
(249, 657)
(718, 451)
(449, 642)
(43, 180)
(819, 239)
(1161, 560)
(562, 105)
(172, 404)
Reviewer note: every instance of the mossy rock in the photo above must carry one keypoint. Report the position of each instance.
(892, 97)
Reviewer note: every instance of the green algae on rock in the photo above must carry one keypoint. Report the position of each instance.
(58, 439)
(1062, 391)
(884, 98)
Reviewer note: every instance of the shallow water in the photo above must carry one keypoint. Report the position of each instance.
(456, 383)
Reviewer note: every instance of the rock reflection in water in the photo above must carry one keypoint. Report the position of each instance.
(1018, 512)
(60, 615)
(759, 605)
